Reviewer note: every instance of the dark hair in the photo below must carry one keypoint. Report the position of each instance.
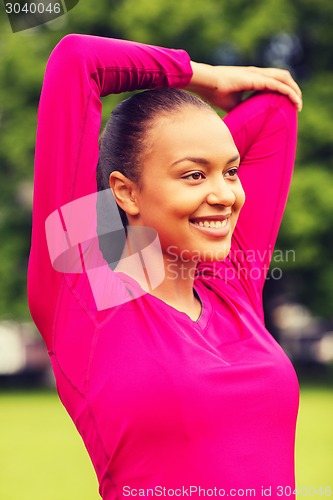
(123, 140)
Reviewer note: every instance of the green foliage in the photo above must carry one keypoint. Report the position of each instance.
(307, 229)
(316, 131)
(206, 30)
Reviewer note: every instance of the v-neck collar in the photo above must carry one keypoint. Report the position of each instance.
(200, 290)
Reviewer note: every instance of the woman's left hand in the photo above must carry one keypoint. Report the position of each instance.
(223, 86)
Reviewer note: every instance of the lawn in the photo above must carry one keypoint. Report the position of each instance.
(42, 456)
(314, 441)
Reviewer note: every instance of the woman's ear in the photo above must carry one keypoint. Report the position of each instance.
(124, 190)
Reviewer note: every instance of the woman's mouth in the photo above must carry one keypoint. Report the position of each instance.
(218, 228)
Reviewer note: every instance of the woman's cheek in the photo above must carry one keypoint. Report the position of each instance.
(240, 196)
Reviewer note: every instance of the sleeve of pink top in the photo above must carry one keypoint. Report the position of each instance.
(264, 128)
(80, 70)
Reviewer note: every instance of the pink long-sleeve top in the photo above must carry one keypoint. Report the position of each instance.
(160, 400)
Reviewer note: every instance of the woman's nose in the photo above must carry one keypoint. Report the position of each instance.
(221, 194)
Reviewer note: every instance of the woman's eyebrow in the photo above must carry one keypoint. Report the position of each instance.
(202, 161)
(234, 158)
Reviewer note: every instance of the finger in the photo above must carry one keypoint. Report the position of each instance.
(269, 83)
(282, 75)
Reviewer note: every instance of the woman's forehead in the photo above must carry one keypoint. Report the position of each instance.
(190, 132)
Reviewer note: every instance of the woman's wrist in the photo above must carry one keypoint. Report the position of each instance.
(203, 78)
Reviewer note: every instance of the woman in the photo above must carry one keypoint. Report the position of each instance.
(173, 381)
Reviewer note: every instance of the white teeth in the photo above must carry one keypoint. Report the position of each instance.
(212, 224)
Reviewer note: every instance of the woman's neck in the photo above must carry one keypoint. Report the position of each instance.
(169, 279)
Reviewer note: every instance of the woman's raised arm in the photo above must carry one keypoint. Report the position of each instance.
(80, 70)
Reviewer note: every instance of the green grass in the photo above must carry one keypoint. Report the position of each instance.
(43, 458)
(314, 439)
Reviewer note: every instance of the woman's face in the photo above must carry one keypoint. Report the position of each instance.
(190, 192)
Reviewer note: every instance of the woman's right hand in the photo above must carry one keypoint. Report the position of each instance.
(223, 86)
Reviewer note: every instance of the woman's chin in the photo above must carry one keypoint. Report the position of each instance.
(176, 254)
(215, 256)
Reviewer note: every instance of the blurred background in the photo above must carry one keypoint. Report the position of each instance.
(39, 448)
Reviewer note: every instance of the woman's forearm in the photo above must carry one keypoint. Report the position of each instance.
(203, 77)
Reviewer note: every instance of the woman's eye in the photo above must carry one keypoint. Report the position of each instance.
(195, 176)
(232, 172)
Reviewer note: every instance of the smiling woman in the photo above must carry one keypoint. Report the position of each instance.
(196, 210)
(179, 386)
